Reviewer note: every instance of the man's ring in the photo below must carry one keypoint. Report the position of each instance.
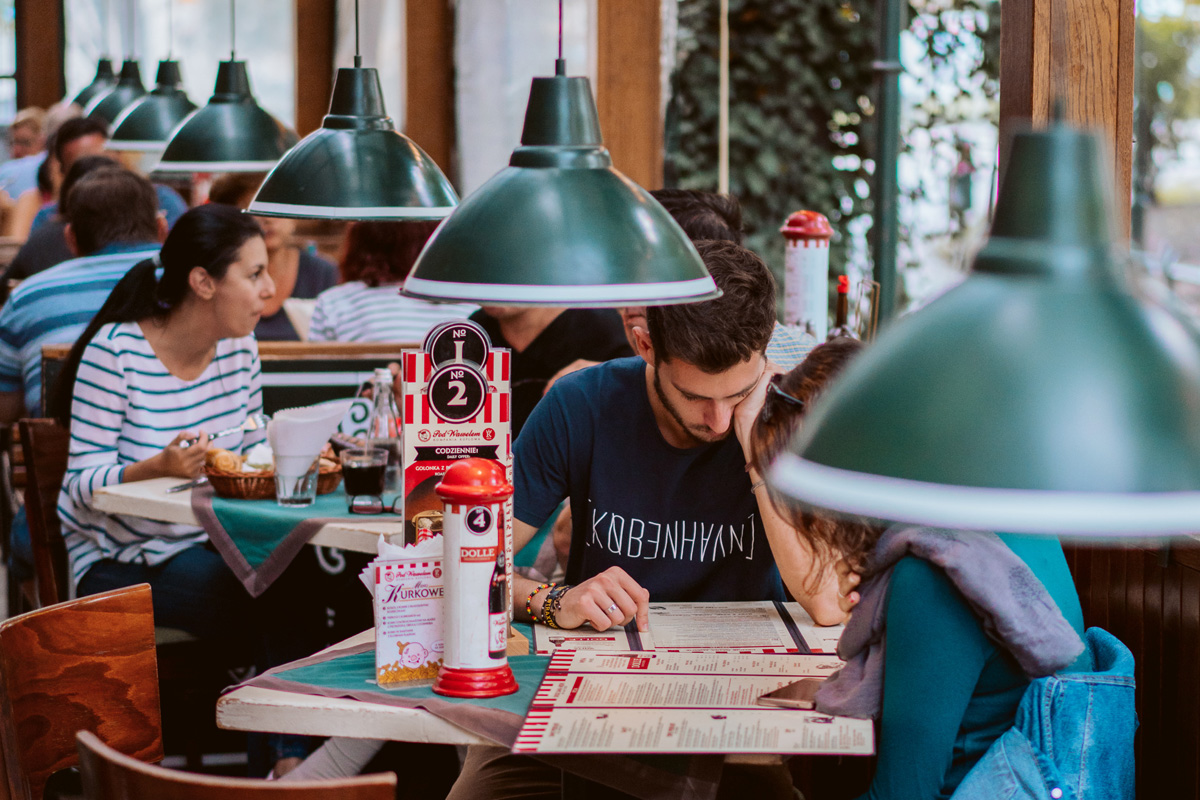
(612, 608)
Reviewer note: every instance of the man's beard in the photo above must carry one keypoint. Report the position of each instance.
(701, 434)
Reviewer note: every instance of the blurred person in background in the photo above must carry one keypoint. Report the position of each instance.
(47, 245)
(296, 272)
(26, 152)
(367, 306)
(83, 136)
(48, 177)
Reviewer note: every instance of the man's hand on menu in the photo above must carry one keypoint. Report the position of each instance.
(847, 579)
(746, 412)
(183, 462)
(611, 598)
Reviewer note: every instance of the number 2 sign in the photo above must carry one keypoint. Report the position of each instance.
(457, 392)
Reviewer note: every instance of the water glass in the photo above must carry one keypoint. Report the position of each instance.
(296, 491)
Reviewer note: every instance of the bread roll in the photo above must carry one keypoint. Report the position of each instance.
(223, 460)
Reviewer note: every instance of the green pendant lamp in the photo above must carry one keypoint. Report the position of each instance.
(1042, 395)
(147, 123)
(356, 166)
(109, 105)
(230, 134)
(559, 226)
(105, 79)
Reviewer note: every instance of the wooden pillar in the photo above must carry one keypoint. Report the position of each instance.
(629, 87)
(1079, 52)
(316, 29)
(40, 37)
(429, 106)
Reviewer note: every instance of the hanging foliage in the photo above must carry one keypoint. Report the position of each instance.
(800, 80)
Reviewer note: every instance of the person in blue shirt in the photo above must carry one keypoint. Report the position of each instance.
(84, 136)
(652, 452)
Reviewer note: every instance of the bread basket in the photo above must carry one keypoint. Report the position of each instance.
(260, 484)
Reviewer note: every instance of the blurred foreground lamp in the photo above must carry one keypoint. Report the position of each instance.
(146, 124)
(1042, 395)
(559, 226)
(230, 134)
(105, 79)
(108, 105)
(356, 166)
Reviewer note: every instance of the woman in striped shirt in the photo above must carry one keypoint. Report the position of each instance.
(164, 360)
(368, 307)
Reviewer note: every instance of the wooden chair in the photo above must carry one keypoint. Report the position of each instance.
(88, 664)
(46, 444)
(109, 775)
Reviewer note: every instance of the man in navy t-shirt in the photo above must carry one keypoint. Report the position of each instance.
(652, 453)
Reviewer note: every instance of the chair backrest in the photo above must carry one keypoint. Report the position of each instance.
(88, 664)
(109, 775)
(46, 445)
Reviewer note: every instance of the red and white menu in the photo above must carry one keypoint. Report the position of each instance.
(682, 702)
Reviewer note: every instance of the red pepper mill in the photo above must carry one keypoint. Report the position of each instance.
(475, 664)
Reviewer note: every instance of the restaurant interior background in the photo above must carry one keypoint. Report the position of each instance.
(803, 78)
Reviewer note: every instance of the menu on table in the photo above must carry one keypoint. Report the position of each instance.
(682, 702)
(763, 626)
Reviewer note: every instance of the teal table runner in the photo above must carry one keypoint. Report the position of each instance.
(259, 538)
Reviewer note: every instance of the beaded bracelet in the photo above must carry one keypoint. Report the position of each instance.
(529, 600)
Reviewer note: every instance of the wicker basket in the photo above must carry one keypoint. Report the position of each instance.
(260, 485)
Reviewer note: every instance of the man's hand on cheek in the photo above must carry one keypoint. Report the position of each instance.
(611, 598)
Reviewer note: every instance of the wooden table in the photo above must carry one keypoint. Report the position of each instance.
(149, 500)
(252, 708)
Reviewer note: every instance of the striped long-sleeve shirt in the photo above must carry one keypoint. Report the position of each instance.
(355, 312)
(127, 407)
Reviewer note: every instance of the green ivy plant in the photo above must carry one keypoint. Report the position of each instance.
(800, 79)
(801, 112)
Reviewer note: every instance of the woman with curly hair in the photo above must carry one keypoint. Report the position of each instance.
(368, 306)
(948, 627)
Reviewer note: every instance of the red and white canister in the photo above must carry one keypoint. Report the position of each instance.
(806, 272)
(475, 558)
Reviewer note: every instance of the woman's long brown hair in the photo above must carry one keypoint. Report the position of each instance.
(831, 537)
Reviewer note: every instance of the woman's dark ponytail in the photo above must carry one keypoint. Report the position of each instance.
(208, 236)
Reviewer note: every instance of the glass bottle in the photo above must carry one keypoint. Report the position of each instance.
(841, 326)
(498, 609)
(385, 430)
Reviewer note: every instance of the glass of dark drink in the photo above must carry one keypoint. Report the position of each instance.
(364, 471)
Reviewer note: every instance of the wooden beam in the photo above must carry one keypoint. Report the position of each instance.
(1079, 52)
(629, 87)
(316, 30)
(39, 34)
(429, 104)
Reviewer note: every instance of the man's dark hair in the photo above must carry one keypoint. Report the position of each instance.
(76, 128)
(75, 174)
(109, 205)
(703, 215)
(719, 334)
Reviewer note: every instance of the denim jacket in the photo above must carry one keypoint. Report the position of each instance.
(1072, 738)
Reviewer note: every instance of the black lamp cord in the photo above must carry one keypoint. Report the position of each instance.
(357, 51)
